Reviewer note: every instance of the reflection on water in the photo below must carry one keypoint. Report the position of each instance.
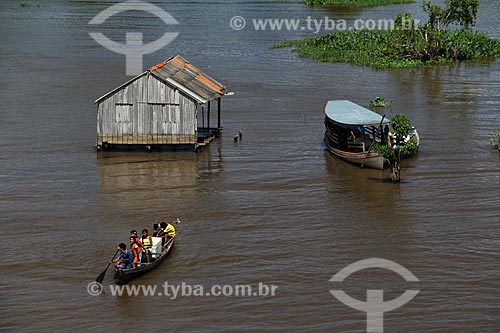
(128, 178)
(342, 11)
(369, 183)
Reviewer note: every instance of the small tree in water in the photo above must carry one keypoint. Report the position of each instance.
(461, 12)
(401, 148)
(436, 41)
(495, 139)
(401, 126)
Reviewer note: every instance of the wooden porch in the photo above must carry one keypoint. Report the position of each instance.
(207, 135)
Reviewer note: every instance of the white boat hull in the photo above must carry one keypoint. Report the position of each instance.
(364, 159)
(369, 160)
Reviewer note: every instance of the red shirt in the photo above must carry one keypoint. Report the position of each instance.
(135, 249)
(138, 241)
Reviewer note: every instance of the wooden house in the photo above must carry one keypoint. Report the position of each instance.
(169, 104)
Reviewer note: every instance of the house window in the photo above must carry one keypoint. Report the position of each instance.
(169, 112)
(172, 114)
(123, 112)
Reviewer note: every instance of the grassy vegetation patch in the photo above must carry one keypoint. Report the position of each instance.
(446, 38)
(356, 3)
(383, 49)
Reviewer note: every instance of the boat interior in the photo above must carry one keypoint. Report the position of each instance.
(355, 139)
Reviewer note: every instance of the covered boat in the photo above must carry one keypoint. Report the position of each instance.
(350, 131)
(124, 275)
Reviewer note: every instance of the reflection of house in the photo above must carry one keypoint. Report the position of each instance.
(131, 180)
(165, 105)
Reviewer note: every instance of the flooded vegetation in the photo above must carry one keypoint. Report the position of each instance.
(356, 3)
(408, 44)
(495, 139)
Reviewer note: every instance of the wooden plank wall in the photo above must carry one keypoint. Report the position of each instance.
(147, 111)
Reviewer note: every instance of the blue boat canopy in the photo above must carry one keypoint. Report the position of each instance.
(348, 113)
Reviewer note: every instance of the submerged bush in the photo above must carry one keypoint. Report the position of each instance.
(409, 149)
(356, 3)
(495, 139)
(408, 44)
(379, 103)
(401, 128)
(395, 48)
(384, 150)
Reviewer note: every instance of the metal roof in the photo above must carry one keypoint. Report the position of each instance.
(349, 113)
(183, 75)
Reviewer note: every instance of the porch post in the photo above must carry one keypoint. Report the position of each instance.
(208, 118)
(218, 114)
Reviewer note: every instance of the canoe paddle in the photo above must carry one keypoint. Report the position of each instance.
(100, 277)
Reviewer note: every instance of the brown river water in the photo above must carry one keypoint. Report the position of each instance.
(274, 208)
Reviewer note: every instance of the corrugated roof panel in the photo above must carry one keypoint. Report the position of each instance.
(204, 80)
(181, 79)
(160, 65)
(188, 78)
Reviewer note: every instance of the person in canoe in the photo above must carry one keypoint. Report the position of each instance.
(166, 231)
(147, 243)
(124, 259)
(138, 242)
(157, 229)
(137, 238)
(135, 249)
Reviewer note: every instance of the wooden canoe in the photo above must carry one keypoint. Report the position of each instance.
(124, 275)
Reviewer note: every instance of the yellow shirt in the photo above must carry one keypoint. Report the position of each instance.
(169, 229)
(147, 244)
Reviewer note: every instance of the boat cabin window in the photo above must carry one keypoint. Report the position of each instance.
(352, 138)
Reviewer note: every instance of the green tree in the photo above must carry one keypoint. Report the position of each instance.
(461, 12)
(495, 139)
